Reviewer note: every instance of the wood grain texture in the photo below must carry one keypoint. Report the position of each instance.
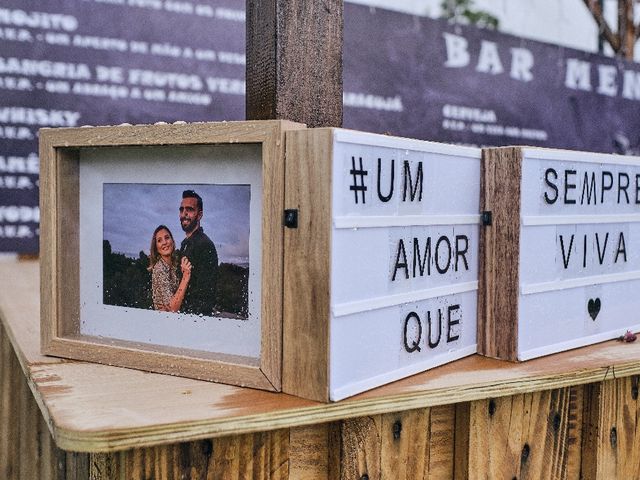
(568, 431)
(273, 184)
(294, 61)
(27, 450)
(498, 291)
(66, 221)
(60, 153)
(406, 444)
(613, 430)
(314, 452)
(48, 265)
(361, 448)
(461, 446)
(259, 456)
(10, 384)
(526, 436)
(307, 264)
(575, 434)
(590, 430)
(96, 408)
(416, 444)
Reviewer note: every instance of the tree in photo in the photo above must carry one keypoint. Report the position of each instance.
(127, 283)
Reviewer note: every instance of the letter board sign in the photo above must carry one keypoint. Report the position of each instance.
(381, 273)
(562, 265)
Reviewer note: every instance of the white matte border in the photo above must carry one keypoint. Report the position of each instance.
(192, 165)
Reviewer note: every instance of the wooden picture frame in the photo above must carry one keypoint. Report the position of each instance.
(61, 153)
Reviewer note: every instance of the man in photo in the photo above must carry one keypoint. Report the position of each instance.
(200, 297)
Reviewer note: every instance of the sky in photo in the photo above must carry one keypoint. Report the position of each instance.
(131, 212)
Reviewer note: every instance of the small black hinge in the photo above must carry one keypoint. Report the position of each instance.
(291, 218)
(487, 218)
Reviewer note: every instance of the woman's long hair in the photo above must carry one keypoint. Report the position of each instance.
(154, 256)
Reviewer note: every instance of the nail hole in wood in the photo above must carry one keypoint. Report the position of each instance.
(557, 419)
(524, 456)
(207, 447)
(364, 477)
(613, 437)
(397, 429)
(492, 407)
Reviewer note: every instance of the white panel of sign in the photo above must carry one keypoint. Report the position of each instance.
(579, 255)
(404, 258)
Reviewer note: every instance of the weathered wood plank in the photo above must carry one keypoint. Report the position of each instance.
(9, 413)
(95, 408)
(499, 279)
(305, 369)
(258, 456)
(103, 466)
(526, 436)
(461, 445)
(405, 444)
(361, 448)
(612, 430)
(413, 445)
(442, 435)
(72, 466)
(430, 441)
(590, 430)
(573, 425)
(27, 450)
(314, 452)
(28, 434)
(294, 61)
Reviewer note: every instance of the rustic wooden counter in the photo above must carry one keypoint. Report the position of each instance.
(569, 415)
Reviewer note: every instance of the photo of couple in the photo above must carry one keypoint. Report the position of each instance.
(184, 275)
(191, 288)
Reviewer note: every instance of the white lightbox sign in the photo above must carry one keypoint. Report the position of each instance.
(381, 259)
(404, 258)
(578, 277)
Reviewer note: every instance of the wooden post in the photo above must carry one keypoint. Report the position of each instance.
(294, 61)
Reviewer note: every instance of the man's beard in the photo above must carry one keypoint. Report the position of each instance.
(190, 226)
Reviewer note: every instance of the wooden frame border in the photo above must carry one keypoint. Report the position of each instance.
(307, 264)
(59, 250)
(499, 274)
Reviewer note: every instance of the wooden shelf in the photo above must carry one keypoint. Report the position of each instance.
(98, 408)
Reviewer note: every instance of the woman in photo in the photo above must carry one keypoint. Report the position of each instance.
(167, 291)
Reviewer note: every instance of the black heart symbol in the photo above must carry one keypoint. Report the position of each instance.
(594, 308)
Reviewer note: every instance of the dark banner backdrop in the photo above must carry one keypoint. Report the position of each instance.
(458, 84)
(105, 62)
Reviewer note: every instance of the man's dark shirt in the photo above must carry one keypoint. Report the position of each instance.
(201, 291)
